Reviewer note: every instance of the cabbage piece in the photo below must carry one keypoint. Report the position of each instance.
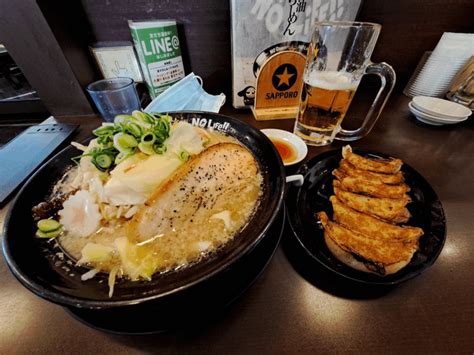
(184, 137)
(95, 253)
(136, 261)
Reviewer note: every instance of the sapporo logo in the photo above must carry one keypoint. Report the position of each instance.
(283, 79)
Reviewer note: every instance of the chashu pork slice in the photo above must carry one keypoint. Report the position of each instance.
(222, 183)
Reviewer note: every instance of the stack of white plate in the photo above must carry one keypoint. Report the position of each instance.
(448, 58)
(438, 112)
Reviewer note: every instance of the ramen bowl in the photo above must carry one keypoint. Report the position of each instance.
(44, 270)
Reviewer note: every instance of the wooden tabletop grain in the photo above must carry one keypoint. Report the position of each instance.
(294, 306)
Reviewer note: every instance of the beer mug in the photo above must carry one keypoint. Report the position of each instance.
(338, 56)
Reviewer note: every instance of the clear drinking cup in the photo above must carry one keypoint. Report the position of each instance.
(338, 56)
(465, 94)
(114, 96)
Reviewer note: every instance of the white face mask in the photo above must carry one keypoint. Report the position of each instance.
(186, 94)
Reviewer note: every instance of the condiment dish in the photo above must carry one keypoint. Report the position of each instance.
(287, 139)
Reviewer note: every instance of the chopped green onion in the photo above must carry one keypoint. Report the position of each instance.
(142, 117)
(48, 228)
(121, 118)
(146, 148)
(48, 235)
(103, 130)
(151, 119)
(134, 129)
(104, 140)
(48, 225)
(159, 148)
(122, 156)
(103, 161)
(124, 142)
(128, 134)
(149, 138)
(184, 156)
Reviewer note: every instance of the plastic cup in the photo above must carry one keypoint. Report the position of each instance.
(114, 96)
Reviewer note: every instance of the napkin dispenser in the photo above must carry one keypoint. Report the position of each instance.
(20, 157)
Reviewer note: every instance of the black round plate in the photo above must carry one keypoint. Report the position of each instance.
(313, 196)
(36, 262)
(205, 302)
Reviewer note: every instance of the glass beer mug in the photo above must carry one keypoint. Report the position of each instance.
(338, 56)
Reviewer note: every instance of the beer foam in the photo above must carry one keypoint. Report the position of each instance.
(331, 80)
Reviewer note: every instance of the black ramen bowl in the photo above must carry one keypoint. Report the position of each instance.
(41, 267)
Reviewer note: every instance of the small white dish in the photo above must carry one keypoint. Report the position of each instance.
(440, 108)
(296, 143)
(431, 123)
(433, 118)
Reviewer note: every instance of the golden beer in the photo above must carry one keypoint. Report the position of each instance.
(325, 100)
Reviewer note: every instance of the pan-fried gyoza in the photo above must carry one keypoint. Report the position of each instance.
(370, 199)
(378, 256)
(348, 169)
(385, 166)
(372, 227)
(370, 187)
(390, 210)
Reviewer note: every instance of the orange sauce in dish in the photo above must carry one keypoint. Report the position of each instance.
(286, 150)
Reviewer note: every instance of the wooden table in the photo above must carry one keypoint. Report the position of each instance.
(293, 308)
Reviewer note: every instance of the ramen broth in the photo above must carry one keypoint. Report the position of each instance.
(177, 248)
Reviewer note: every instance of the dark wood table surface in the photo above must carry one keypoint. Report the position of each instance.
(295, 307)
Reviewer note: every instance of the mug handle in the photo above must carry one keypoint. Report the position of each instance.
(387, 79)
